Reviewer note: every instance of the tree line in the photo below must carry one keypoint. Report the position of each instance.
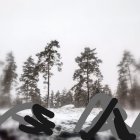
(87, 79)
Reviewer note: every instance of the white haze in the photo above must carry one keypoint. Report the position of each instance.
(110, 26)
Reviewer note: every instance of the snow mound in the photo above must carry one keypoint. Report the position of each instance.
(70, 106)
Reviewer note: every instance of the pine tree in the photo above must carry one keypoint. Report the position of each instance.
(63, 97)
(57, 99)
(125, 78)
(122, 90)
(107, 90)
(49, 58)
(96, 88)
(69, 97)
(29, 80)
(88, 72)
(1, 77)
(10, 76)
(136, 93)
(52, 100)
(80, 93)
(80, 97)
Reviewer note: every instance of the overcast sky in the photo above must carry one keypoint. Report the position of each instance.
(111, 26)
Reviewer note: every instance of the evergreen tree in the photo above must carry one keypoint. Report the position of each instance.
(125, 78)
(9, 78)
(122, 90)
(10, 74)
(136, 94)
(88, 72)
(29, 80)
(80, 94)
(52, 100)
(107, 90)
(57, 99)
(49, 58)
(96, 88)
(69, 97)
(80, 97)
(1, 77)
(44, 100)
(63, 97)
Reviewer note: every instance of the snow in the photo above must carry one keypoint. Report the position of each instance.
(67, 116)
(70, 106)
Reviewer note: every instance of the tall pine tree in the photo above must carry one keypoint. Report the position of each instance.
(88, 72)
(47, 59)
(10, 74)
(125, 83)
(9, 78)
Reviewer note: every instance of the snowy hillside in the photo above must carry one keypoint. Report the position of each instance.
(66, 118)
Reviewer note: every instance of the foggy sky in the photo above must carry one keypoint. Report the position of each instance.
(111, 26)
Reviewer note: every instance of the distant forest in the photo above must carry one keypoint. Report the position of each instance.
(88, 79)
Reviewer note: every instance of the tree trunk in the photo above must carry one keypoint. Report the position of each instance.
(130, 78)
(132, 100)
(88, 86)
(48, 104)
(87, 82)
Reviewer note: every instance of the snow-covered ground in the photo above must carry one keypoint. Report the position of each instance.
(66, 118)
